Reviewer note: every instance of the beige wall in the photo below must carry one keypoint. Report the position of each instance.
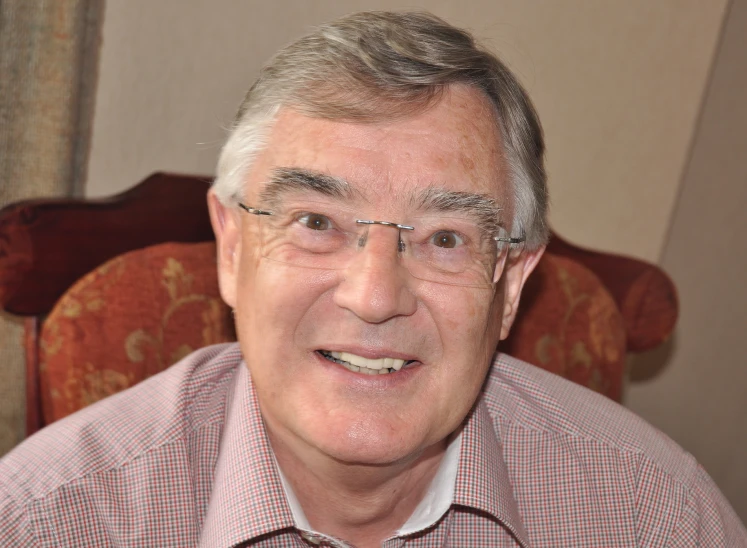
(617, 83)
(699, 395)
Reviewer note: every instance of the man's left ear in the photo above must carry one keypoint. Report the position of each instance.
(517, 270)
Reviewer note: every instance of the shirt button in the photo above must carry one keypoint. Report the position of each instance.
(313, 539)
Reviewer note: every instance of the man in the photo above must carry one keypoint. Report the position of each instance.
(379, 204)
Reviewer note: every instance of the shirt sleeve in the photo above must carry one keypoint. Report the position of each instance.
(707, 520)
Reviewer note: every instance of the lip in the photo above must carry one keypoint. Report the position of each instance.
(370, 353)
(362, 381)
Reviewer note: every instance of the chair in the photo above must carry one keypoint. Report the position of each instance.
(115, 290)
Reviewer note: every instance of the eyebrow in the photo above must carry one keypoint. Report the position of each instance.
(283, 180)
(482, 208)
(292, 179)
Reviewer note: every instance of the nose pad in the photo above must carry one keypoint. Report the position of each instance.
(363, 238)
(376, 243)
(401, 246)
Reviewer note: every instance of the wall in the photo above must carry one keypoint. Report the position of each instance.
(699, 397)
(617, 83)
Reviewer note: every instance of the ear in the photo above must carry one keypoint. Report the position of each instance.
(517, 270)
(227, 229)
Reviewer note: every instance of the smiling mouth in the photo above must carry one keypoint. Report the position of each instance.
(367, 366)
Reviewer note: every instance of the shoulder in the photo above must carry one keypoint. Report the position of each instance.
(522, 396)
(568, 443)
(110, 434)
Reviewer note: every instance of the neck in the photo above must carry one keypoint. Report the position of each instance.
(361, 504)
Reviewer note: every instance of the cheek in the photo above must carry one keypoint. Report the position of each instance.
(272, 301)
(466, 318)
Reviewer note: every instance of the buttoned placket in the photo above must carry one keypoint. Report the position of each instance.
(318, 539)
(436, 536)
(311, 538)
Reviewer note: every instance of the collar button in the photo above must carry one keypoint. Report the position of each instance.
(312, 539)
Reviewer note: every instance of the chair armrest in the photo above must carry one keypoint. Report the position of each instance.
(645, 295)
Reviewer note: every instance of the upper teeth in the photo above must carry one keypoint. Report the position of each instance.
(379, 363)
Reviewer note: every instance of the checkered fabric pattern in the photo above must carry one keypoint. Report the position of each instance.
(183, 459)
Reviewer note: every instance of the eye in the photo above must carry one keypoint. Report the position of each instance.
(315, 221)
(446, 239)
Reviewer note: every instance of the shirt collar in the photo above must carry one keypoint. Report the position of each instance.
(436, 502)
(247, 499)
(483, 481)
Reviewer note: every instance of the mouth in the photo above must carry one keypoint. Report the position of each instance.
(366, 366)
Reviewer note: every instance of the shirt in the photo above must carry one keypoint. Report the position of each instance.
(183, 459)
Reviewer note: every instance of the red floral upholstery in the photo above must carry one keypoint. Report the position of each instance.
(127, 320)
(569, 324)
(144, 310)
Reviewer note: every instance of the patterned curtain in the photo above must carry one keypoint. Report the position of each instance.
(48, 69)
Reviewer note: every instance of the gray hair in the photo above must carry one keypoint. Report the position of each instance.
(374, 66)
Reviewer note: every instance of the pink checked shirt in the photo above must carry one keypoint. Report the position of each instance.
(183, 459)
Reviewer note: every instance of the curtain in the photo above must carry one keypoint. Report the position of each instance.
(48, 72)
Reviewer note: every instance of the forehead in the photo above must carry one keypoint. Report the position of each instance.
(454, 145)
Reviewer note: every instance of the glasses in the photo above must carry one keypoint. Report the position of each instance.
(450, 250)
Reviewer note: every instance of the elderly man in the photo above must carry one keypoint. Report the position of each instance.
(379, 204)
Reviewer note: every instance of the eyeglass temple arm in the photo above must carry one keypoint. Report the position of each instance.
(254, 210)
(511, 240)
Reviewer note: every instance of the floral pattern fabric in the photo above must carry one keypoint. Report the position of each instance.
(127, 320)
(569, 324)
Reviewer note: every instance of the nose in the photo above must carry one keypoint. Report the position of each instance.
(375, 285)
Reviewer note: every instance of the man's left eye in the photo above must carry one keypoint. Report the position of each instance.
(315, 221)
(446, 239)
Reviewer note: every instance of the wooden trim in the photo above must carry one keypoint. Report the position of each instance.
(34, 419)
(46, 245)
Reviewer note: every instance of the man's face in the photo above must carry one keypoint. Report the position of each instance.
(289, 317)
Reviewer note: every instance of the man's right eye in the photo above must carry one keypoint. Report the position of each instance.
(446, 239)
(315, 221)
